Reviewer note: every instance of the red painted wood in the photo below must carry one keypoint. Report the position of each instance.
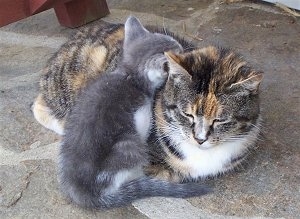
(79, 12)
(37, 6)
(70, 13)
(13, 10)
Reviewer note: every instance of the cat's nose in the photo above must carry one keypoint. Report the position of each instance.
(201, 140)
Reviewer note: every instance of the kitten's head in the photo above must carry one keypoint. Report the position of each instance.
(143, 51)
(211, 95)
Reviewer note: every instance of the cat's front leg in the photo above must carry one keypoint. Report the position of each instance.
(127, 153)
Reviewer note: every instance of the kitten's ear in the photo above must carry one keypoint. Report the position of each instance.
(175, 64)
(133, 29)
(250, 84)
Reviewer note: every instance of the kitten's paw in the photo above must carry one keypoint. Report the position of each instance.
(157, 77)
(157, 71)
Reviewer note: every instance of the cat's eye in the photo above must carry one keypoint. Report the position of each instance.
(191, 119)
(218, 120)
(188, 115)
(166, 67)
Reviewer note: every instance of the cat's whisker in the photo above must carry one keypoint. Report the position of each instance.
(189, 48)
(169, 129)
(168, 133)
(163, 122)
(164, 27)
(256, 126)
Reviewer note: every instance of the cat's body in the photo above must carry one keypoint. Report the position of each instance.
(104, 148)
(173, 156)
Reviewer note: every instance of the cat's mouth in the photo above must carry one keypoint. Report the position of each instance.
(202, 145)
(205, 146)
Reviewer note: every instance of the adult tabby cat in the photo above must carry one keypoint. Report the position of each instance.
(104, 147)
(206, 116)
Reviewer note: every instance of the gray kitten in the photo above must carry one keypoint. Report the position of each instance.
(104, 148)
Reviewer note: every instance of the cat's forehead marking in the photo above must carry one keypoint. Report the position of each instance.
(226, 68)
(197, 104)
(210, 105)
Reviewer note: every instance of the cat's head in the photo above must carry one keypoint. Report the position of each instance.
(143, 51)
(211, 95)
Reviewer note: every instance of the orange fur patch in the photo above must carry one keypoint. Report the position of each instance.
(79, 81)
(95, 56)
(115, 37)
(210, 106)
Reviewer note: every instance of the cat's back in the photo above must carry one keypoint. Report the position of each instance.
(86, 55)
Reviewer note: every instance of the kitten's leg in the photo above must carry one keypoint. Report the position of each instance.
(42, 114)
(161, 172)
(128, 153)
(125, 163)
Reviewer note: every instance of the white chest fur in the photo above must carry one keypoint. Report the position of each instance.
(142, 119)
(211, 161)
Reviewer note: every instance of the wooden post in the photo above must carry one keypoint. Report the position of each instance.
(70, 13)
(12, 10)
(79, 12)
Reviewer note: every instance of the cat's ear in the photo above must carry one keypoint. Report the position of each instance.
(250, 84)
(133, 29)
(175, 65)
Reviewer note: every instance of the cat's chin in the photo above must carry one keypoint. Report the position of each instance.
(205, 146)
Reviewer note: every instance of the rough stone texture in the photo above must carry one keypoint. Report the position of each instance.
(31, 191)
(268, 185)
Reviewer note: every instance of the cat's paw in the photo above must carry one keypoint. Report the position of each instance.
(157, 77)
(157, 70)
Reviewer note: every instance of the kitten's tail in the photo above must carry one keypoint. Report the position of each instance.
(147, 187)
